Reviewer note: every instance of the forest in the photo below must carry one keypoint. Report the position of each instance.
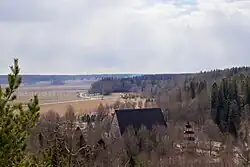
(60, 79)
(221, 94)
(216, 103)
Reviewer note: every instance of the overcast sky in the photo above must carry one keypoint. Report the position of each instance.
(124, 36)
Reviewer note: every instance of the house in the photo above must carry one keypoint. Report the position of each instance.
(124, 118)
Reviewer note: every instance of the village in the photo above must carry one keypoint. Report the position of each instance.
(138, 117)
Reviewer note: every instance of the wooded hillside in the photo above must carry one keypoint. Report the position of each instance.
(222, 94)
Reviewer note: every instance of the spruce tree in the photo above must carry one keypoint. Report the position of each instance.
(215, 104)
(192, 89)
(15, 121)
(247, 91)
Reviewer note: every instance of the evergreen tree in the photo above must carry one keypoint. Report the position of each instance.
(15, 121)
(227, 106)
(214, 96)
(192, 89)
(247, 91)
(215, 104)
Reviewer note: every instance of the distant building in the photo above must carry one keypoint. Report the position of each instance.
(189, 133)
(124, 118)
(189, 143)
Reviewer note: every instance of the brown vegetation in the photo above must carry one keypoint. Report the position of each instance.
(221, 139)
(63, 144)
(51, 93)
(81, 107)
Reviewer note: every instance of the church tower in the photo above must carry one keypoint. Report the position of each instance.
(189, 133)
(189, 138)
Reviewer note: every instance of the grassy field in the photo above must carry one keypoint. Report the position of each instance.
(79, 106)
(49, 93)
(49, 96)
(58, 98)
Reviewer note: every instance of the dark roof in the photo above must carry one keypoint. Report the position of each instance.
(138, 117)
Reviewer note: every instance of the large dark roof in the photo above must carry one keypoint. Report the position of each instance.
(138, 117)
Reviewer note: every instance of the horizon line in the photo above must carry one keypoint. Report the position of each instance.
(62, 74)
(131, 73)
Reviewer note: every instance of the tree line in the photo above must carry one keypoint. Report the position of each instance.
(216, 103)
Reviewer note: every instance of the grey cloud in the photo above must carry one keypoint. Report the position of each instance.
(123, 36)
(19, 11)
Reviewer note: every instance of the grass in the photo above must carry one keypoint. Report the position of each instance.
(48, 97)
(62, 93)
(50, 93)
(80, 107)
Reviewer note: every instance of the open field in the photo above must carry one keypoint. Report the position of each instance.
(51, 93)
(83, 106)
(59, 97)
(49, 96)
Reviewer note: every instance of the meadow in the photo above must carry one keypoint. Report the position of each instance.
(59, 97)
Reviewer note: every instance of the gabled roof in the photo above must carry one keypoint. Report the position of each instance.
(147, 117)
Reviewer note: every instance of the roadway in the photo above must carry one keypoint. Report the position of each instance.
(75, 101)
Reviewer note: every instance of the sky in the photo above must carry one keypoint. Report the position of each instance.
(124, 36)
